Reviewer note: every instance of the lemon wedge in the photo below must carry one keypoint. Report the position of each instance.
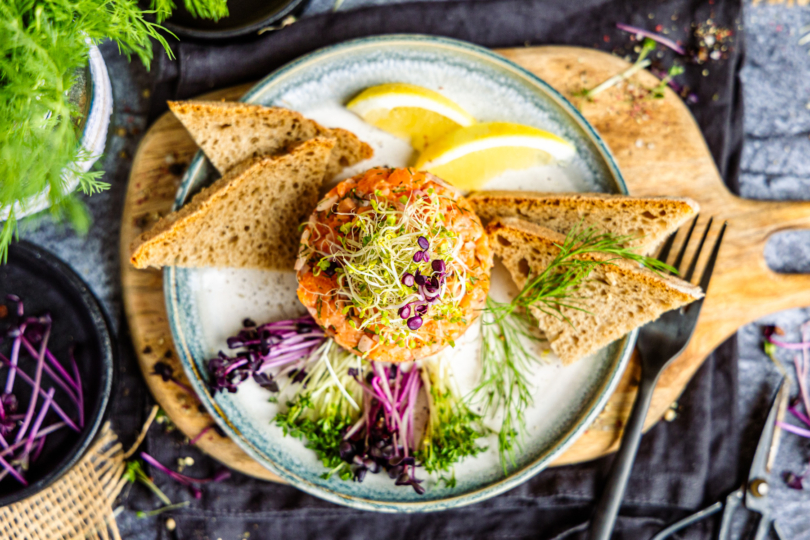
(410, 112)
(470, 156)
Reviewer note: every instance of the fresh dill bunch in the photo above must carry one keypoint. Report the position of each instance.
(556, 286)
(203, 9)
(42, 46)
(452, 429)
(506, 361)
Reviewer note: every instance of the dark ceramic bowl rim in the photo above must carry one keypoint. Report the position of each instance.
(185, 32)
(107, 363)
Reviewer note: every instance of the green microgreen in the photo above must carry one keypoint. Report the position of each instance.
(134, 473)
(376, 250)
(326, 406)
(641, 62)
(658, 91)
(452, 429)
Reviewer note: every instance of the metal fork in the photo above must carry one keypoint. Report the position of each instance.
(659, 342)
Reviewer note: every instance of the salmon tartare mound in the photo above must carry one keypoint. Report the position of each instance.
(394, 265)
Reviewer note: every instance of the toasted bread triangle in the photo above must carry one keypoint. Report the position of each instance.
(614, 300)
(231, 132)
(649, 220)
(249, 218)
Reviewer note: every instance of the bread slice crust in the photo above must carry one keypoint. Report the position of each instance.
(249, 218)
(615, 299)
(230, 132)
(648, 219)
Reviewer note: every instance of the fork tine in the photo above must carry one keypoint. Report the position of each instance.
(707, 272)
(679, 259)
(693, 264)
(663, 255)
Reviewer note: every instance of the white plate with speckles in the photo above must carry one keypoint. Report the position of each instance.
(206, 306)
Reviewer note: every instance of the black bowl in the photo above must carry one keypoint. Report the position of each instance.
(246, 17)
(47, 285)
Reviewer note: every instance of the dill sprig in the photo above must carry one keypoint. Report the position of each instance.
(506, 360)
(556, 286)
(507, 328)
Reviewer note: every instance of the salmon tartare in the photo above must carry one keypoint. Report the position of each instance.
(394, 265)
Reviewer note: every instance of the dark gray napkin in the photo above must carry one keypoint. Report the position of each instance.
(682, 465)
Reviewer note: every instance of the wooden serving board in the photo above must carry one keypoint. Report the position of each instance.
(660, 151)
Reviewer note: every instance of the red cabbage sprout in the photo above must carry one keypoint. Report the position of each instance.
(23, 434)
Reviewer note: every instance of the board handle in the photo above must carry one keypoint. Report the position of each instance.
(759, 221)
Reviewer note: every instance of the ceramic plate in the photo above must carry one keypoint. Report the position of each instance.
(205, 306)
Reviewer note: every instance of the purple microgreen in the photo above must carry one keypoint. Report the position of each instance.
(38, 422)
(793, 429)
(407, 279)
(37, 385)
(666, 42)
(187, 481)
(405, 311)
(414, 323)
(266, 381)
(79, 389)
(14, 358)
(793, 481)
(423, 243)
(438, 266)
(12, 471)
(24, 376)
(200, 435)
(417, 257)
(278, 345)
(44, 432)
(166, 372)
(65, 382)
(799, 414)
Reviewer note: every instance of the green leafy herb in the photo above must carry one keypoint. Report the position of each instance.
(43, 45)
(325, 407)
(452, 428)
(204, 9)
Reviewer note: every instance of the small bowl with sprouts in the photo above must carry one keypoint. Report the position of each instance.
(56, 370)
(394, 265)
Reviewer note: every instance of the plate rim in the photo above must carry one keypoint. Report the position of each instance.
(488, 491)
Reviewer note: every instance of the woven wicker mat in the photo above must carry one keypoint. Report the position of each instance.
(78, 505)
